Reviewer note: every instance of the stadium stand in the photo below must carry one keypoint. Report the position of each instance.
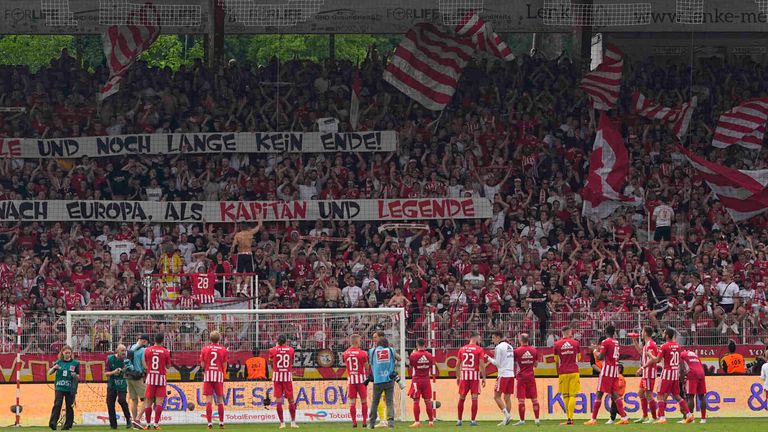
(517, 134)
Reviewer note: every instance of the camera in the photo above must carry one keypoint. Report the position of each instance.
(396, 378)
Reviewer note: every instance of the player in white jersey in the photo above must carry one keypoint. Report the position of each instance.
(504, 360)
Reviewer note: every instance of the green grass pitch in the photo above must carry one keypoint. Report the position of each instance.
(713, 425)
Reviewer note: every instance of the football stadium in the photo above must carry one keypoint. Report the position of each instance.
(334, 214)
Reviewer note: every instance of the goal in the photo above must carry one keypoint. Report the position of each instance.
(319, 336)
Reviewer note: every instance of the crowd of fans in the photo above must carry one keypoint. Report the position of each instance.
(517, 133)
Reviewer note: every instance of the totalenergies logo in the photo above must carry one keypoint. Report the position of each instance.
(317, 416)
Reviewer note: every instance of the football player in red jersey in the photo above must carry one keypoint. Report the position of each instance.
(156, 360)
(608, 353)
(670, 377)
(695, 382)
(356, 362)
(470, 370)
(281, 359)
(648, 380)
(213, 361)
(526, 358)
(422, 368)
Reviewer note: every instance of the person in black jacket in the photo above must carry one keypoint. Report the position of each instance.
(658, 303)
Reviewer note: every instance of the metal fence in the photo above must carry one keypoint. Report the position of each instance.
(446, 330)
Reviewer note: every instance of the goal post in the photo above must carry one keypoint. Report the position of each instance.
(318, 335)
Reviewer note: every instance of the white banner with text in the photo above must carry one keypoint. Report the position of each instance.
(199, 143)
(405, 209)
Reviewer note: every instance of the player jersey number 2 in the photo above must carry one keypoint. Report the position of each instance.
(214, 357)
(283, 361)
(467, 361)
(353, 365)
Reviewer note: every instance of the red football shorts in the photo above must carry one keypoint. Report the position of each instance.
(154, 392)
(213, 388)
(607, 385)
(695, 385)
(505, 385)
(469, 386)
(526, 388)
(355, 391)
(283, 389)
(421, 388)
(647, 384)
(669, 387)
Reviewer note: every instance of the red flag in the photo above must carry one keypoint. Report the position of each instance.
(483, 36)
(602, 84)
(678, 119)
(743, 125)
(608, 170)
(742, 192)
(124, 44)
(203, 287)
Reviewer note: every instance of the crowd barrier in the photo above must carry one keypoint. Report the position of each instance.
(326, 401)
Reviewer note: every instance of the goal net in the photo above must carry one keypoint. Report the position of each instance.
(319, 336)
(566, 13)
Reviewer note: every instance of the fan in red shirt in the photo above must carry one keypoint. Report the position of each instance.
(422, 369)
(695, 381)
(281, 359)
(648, 381)
(356, 362)
(470, 370)
(670, 378)
(213, 360)
(526, 358)
(156, 360)
(608, 382)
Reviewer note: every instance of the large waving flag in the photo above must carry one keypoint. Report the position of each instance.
(427, 65)
(429, 61)
(743, 124)
(608, 170)
(483, 36)
(602, 84)
(124, 44)
(678, 119)
(742, 192)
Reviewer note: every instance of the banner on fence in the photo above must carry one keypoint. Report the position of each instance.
(326, 401)
(199, 143)
(245, 211)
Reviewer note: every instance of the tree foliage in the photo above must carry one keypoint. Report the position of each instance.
(33, 51)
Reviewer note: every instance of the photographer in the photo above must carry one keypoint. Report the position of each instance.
(382, 359)
(67, 371)
(117, 386)
(134, 373)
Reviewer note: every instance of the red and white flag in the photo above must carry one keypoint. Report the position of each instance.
(427, 65)
(742, 192)
(123, 44)
(608, 170)
(354, 104)
(483, 36)
(678, 119)
(743, 124)
(602, 84)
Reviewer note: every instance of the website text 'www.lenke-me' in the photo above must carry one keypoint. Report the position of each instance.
(601, 13)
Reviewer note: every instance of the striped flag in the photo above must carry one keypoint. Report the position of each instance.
(602, 84)
(123, 45)
(608, 170)
(678, 119)
(427, 65)
(743, 124)
(354, 104)
(742, 192)
(483, 36)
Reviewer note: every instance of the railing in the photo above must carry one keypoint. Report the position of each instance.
(241, 284)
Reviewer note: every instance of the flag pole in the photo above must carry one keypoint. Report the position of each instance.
(437, 122)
